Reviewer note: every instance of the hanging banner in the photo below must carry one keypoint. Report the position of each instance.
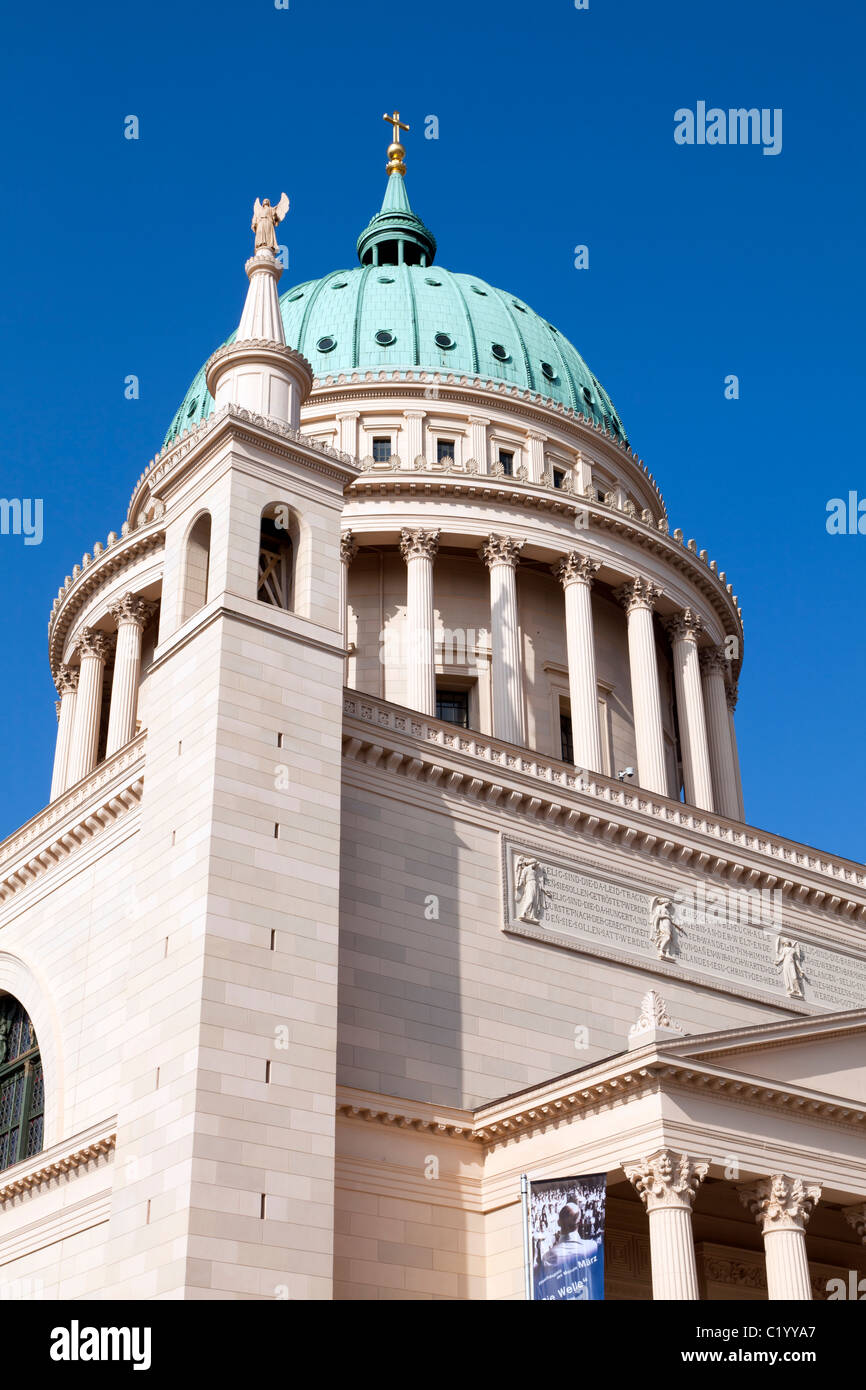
(566, 1238)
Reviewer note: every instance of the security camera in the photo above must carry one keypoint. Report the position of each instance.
(626, 772)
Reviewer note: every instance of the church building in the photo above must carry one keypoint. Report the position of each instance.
(396, 846)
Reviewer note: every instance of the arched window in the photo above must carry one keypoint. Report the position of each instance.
(196, 565)
(276, 557)
(22, 1088)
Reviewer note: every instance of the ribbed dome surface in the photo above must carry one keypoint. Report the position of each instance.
(401, 316)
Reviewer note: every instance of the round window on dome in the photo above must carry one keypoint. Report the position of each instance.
(386, 279)
(326, 344)
(443, 340)
(428, 280)
(548, 371)
(500, 352)
(477, 290)
(385, 337)
(521, 307)
(193, 405)
(293, 297)
(587, 396)
(339, 285)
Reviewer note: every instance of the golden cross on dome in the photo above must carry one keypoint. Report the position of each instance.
(398, 125)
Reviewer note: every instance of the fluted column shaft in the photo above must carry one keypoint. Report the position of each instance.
(731, 697)
(666, 1183)
(782, 1205)
(348, 551)
(418, 549)
(131, 615)
(683, 632)
(501, 554)
(639, 599)
(67, 689)
(713, 663)
(576, 573)
(94, 647)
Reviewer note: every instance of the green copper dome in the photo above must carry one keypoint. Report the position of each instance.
(397, 311)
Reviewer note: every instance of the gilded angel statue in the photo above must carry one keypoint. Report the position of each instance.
(265, 220)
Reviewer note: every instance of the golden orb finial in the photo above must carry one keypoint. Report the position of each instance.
(396, 151)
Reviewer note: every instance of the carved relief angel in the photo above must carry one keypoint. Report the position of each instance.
(664, 928)
(265, 220)
(789, 955)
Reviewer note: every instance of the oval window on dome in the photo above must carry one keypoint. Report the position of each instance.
(521, 307)
(386, 279)
(293, 297)
(429, 281)
(339, 285)
(500, 352)
(385, 337)
(443, 340)
(193, 406)
(587, 396)
(548, 371)
(476, 289)
(326, 344)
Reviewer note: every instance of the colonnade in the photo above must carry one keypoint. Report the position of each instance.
(667, 1183)
(704, 701)
(80, 690)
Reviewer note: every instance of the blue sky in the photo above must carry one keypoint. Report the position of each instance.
(555, 129)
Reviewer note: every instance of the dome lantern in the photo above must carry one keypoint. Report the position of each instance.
(395, 236)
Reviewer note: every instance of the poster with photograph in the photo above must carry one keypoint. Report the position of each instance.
(566, 1229)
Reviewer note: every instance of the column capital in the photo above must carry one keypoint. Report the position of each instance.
(856, 1218)
(348, 547)
(713, 659)
(666, 1179)
(780, 1203)
(537, 434)
(132, 609)
(731, 697)
(684, 627)
(348, 415)
(94, 643)
(415, 414)
(501, 550)
(67, 680)
(479, 420)
(638, 593)
(419, 543)
(575, 568)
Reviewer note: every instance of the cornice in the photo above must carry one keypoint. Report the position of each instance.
(93, 804)
(58, 1161)
(399, 742)
(683, 557)
(260, 429)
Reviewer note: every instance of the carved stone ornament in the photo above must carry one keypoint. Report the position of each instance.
(501, 550)
(665, 929)
(348, 547)
(684, 627)
(856, 1218)
(731, 697)
(780, 1203)
(575, 568)
(666, 1179)
(640, 593)
(419, 543)
(93, 643)
(132, 609)
(713, 659)
(67, 680)
(521, 473)
(789, 959)
(654, 1023)
(420, 462)
(471, 466)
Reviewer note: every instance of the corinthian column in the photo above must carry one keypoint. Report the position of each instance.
(94, 647)
(731, 696)
(639, 599)
(683, 631)
(782, 1207)
(67, 689)
(501, 555)
(348, 551)
(576, 573)
(418, 549)
(666, 1183)
(713, 665)
(131, 615)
